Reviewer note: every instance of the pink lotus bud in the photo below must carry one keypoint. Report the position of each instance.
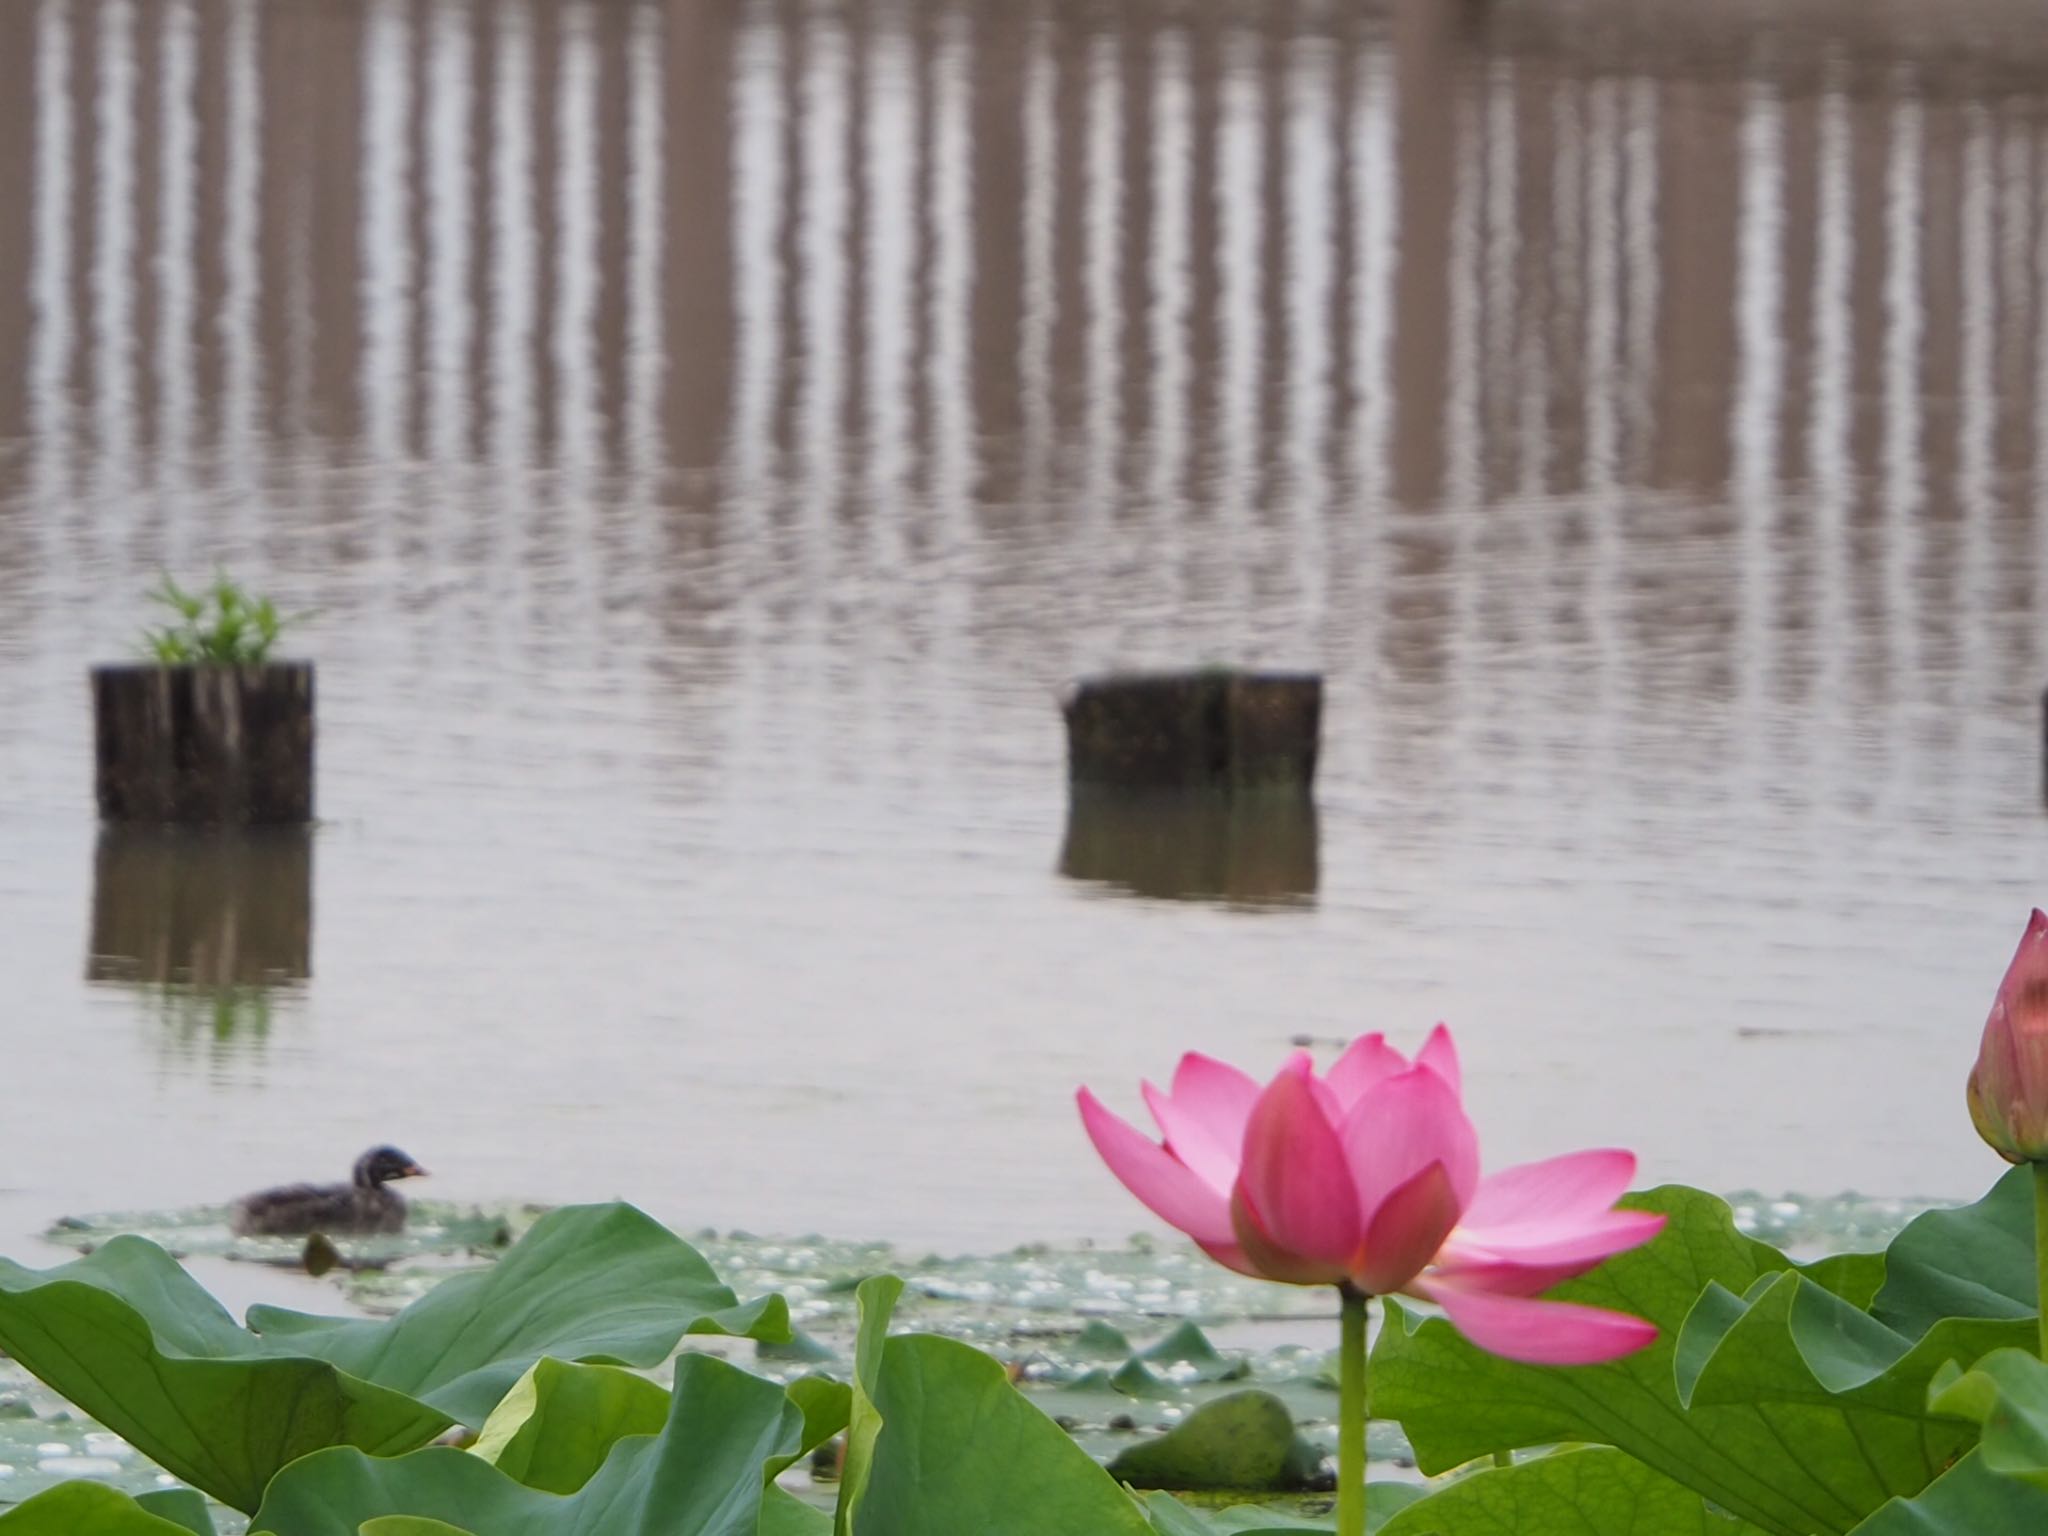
(2009, 1084)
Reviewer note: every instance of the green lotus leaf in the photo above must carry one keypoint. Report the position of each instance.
(941, 1443)
(598, 1283)
(90, 1509)
(2002, 1485)
(133, 1340)
(1790, 1408)
(181, 1506)
(1589, 1492)
(1170, 1517)
(2006, 1393)
(703, 1475)
(1974, 1261)
(559, 1422)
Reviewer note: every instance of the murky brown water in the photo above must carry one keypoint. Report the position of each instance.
(711, 434)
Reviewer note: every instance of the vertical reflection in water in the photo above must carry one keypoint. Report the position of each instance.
(760, 111)
(1375, 202)
(949, 381)
(1603, 306)
(386, 237)
(1640, 236)
(1757, 406)
(1604, 236)
(450, 303)
(1464, 477)
(1975, 495)
(512, 282)
(1238, 177)
(1167, 321)
(1503, 245)
(821, 253)
(242, 385)
(1309, 279)
(1103, 246)
(646, 216)
(1040, 301)
(2039, 594)
(757, 193)
(1904, 322)
(1567, 263)
(1829, 462)
(888, 158)
(176, 385)
(52, 338)
(577, 278)
(113, 277)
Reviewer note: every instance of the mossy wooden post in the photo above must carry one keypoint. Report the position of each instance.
(1214, 729)
(205, 745)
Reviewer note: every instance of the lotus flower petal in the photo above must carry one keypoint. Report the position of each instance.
(1599, 1238)
(1406, 1232)
(1439, 1053)
(1295, 1182)
(1367, 1060)
(1538, 1332)
(1399, 1127)
(1559, 1189)
(1170, 1190)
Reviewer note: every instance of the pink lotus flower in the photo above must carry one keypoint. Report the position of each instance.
(1369, 1177)
(2009, 1085)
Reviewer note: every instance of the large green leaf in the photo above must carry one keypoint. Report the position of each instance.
(86, 1509)
(940, 1443)
(2000, 1487)
(1974, 1261)
(1798, 1413)
(601, 1283)
(559, 1422)
(703, 1475)
(1591, 1492)
(133, 1340)
(1170, 1517)
(2006, 1393)
(1845, 1396)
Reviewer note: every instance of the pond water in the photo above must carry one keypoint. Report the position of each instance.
(708, 436)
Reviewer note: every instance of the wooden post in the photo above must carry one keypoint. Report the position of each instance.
(1256, 850)
(221, 746)
(202, 909)
(1215, 729)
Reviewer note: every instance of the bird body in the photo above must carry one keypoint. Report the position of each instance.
(365, 1204)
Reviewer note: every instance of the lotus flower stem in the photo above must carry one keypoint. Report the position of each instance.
(1351, 1413)
(2041, 1250)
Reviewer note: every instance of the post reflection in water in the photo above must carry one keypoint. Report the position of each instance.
(1255, 852)
(710, 434)
(210, 925)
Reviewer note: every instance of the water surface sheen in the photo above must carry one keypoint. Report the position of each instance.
(710, 434)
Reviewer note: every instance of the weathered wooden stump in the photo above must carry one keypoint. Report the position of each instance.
(202, 909)
(1214, 729)
(217, 746)
(1254, 850)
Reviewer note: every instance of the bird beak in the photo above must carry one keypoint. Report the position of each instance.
(415, 1171)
